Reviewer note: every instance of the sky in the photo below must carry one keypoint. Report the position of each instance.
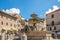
(26, 7)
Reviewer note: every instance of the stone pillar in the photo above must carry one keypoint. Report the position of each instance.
(23, 36)
(3, 35)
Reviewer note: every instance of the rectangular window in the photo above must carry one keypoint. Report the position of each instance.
(14, 25)
(6, 17)
(2, 22)
(11, 24)
(1, 16)
(52, 15)
(47, 25)
(52, 23)
(50, 29)
(6, 23)
(54, 28)
(58, 22)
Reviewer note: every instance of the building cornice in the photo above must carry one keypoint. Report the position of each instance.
(3, 13)
(53, 11)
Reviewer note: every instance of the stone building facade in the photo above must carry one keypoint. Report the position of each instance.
(9, 22)
(53, 21)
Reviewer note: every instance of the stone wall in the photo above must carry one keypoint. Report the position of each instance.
(37, 35)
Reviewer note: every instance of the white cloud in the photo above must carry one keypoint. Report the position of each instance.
(23, 18)
(51, 10)
(12, 11)
(58, 0)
